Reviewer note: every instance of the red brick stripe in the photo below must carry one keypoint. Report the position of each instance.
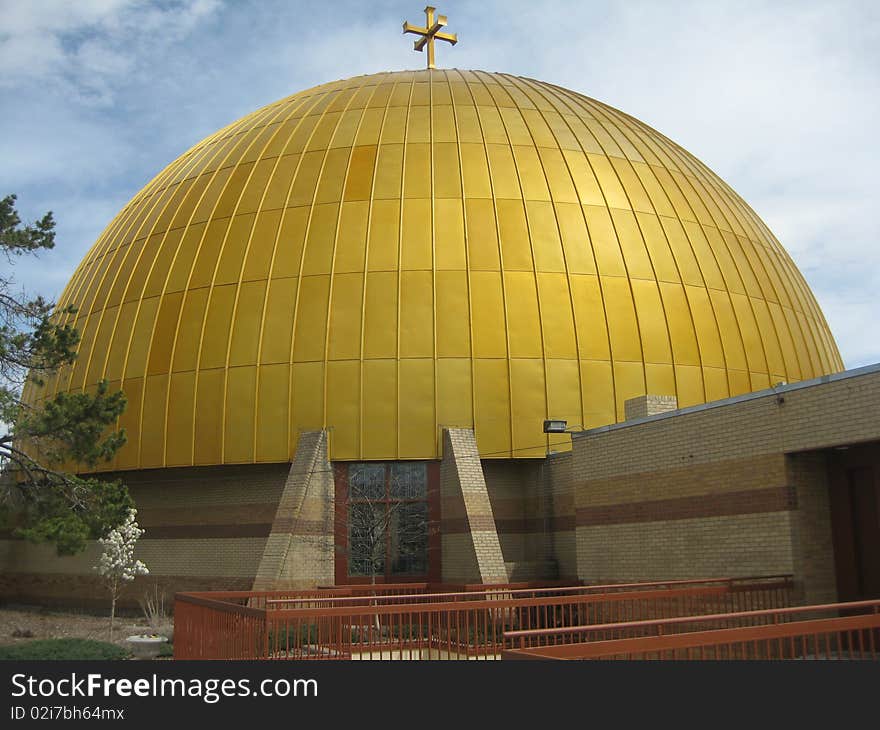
(512, 526)
(180, 532)
(300, 527)
(752, 501)
(562, 523)
(460, 525)
(208, 514)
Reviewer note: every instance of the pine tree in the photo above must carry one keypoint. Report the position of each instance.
(42, 499)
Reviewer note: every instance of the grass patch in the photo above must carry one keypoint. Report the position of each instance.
(63, 649)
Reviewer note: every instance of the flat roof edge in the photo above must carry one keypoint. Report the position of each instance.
(757, 395)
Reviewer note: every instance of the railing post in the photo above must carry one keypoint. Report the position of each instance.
(265, 634)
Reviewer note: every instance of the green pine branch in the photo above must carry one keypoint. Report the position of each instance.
(43, 443)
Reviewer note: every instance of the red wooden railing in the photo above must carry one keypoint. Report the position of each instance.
(214, 629)
(333, 623)
(828, 631)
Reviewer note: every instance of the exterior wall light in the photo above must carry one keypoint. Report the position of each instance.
(555, 426)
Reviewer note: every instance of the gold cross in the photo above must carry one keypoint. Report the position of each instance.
(429, 33)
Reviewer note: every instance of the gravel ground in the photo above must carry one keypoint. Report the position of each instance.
(45, 623)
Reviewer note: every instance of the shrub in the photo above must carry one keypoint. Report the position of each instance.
(154, 604)
(63, 649)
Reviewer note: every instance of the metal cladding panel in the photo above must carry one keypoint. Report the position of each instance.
(390, 254)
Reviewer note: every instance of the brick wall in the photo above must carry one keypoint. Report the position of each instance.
(559, 484)
(739, 487)
(521, 506)
(812, 548)
(89, 592)
(205, 528)
(727, 489)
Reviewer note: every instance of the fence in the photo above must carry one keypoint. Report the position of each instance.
(206, 628)
(829, 631)
(332, 623)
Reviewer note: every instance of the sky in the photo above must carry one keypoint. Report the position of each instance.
(781, 99)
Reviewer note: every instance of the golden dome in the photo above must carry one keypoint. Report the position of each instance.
(390, 254)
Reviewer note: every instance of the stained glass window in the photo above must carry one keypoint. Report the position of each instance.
(388, 519)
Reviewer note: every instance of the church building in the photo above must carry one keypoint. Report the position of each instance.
(363, 301)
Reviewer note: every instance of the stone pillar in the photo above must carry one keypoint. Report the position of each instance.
(643, 406)
(471, 550)
(300, 551)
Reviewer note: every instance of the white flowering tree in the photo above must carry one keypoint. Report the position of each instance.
(117, 564)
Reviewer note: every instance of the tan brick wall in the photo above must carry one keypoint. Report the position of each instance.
(507, 495)
(727, 518)
(205, 527)
(558, 480)
(823, 415)
(742, 545)
(459, 559)
(812, 546)
(533, 504)
(743, 431)
(88, 591)
(720, 490)
(235, 557)
(694, 479)
(522, 506)
(725, 490)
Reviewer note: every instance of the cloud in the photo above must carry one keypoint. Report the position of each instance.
(779, 98)
(776, 98)
(87, 47)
